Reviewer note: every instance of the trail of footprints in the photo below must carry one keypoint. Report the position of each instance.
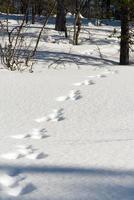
(89, 81)
(16, 185)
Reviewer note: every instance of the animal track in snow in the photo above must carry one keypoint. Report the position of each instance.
(56, 115)
(73, 95)
(10, 181)
(85, 82)
(114, 72)
(11, 156)
(15, 185)
(101, 76)
(36, 134)
(91, 82)
(88, 82)
(34, 156)
(20, 190)
(30, 153)
(24, 152)
(20, 136)
(39, 134)
(104, 74)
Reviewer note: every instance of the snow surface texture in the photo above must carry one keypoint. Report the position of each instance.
(88, 153)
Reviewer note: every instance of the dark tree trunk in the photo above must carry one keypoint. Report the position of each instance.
(77, 28)
(25, 9)
(77, 23)
(27, 16)
(61, 17)
(33, 13)
(124, 44)
(108, 3)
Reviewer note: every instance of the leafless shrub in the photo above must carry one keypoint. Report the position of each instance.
(16, 52)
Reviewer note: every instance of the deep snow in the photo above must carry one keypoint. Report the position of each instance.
(67, 133)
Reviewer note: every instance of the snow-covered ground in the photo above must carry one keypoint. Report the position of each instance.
(68, 133)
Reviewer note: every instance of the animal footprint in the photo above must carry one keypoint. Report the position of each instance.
(39, 133)
(30, 153)
(21, 152)
(15, 185)
(10, 181)
(15, 191)
(115, 72)
(102, 76)
(56, 115)
(36, 134)
(27, 188)
(12, 156)
(108, 71)
(86, 82)
(21, 136)
(20, 190)
(98, 76)
(34, 156)
(74, 95)
(25, 150)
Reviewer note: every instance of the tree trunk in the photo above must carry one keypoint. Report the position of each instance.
(77, 23)
(77, 28)
(61, 17)
(108, 3)
(33, 13)
(124, 44)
